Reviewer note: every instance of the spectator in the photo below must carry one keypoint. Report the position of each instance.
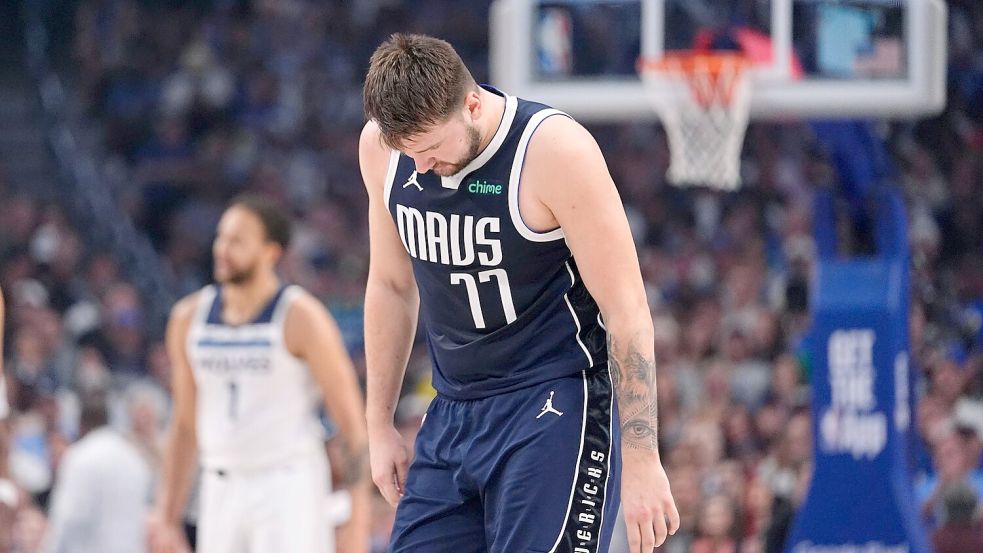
(145, 406)
(952, 465)
(960, 530)
(717, 526)
(101, 498)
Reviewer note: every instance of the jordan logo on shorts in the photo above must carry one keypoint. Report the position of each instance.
(412, 181)
(548, 408)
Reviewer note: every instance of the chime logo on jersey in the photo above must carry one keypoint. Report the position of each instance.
(453, 239)
(481, 186)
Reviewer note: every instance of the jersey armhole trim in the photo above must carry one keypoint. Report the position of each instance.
(279, 318)
(576, 319)
(515, 179)
(205, 299)
(390, 175)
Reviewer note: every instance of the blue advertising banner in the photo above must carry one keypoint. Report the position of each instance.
(861, 498)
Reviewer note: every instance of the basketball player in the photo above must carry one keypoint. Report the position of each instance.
(535, 316)
(249, 355)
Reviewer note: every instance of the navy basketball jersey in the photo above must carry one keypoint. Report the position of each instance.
(503, 306)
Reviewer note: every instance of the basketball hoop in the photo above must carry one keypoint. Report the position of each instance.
(703, 100)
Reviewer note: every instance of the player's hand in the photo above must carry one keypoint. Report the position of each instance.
(646, 501)
(389, 458)
(165, 537)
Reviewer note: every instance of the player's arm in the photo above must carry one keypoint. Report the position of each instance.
(8, 492)
(391, 305)
(570, 179)
(181, 449)
(313, 335)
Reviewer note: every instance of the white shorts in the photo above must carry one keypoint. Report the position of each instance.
(272, 510)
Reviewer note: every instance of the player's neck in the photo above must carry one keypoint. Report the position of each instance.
(242, 302)
(491, 117)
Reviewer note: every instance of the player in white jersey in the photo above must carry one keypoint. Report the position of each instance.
(250, 358)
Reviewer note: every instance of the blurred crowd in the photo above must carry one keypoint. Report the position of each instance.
(191, 103)
(74, 334)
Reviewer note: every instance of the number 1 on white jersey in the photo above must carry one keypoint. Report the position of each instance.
(233, 400)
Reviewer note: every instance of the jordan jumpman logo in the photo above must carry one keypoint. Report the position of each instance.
(413, 182)
(548, 408)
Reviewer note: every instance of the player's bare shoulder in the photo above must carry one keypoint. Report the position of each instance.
(560, 141)
(305, 306)
(306, 317)
(373, 157)
(179, 326)
(560, 152)
(184, 311)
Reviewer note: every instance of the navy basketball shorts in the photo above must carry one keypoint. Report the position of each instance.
(535, 470)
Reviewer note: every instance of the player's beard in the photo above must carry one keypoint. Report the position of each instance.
(474, 145)
(238, 277)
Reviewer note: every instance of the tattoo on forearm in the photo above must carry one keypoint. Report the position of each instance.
(633, 377)
(354, 464)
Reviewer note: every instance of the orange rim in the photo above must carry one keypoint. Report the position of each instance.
(710, 75)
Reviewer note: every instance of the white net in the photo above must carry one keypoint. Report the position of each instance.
(703, 102)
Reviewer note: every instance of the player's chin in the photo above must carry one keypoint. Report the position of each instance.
(446, 169)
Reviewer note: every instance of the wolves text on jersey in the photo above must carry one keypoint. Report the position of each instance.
(227, 362)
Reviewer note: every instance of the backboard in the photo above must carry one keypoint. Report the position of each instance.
(812, 58)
